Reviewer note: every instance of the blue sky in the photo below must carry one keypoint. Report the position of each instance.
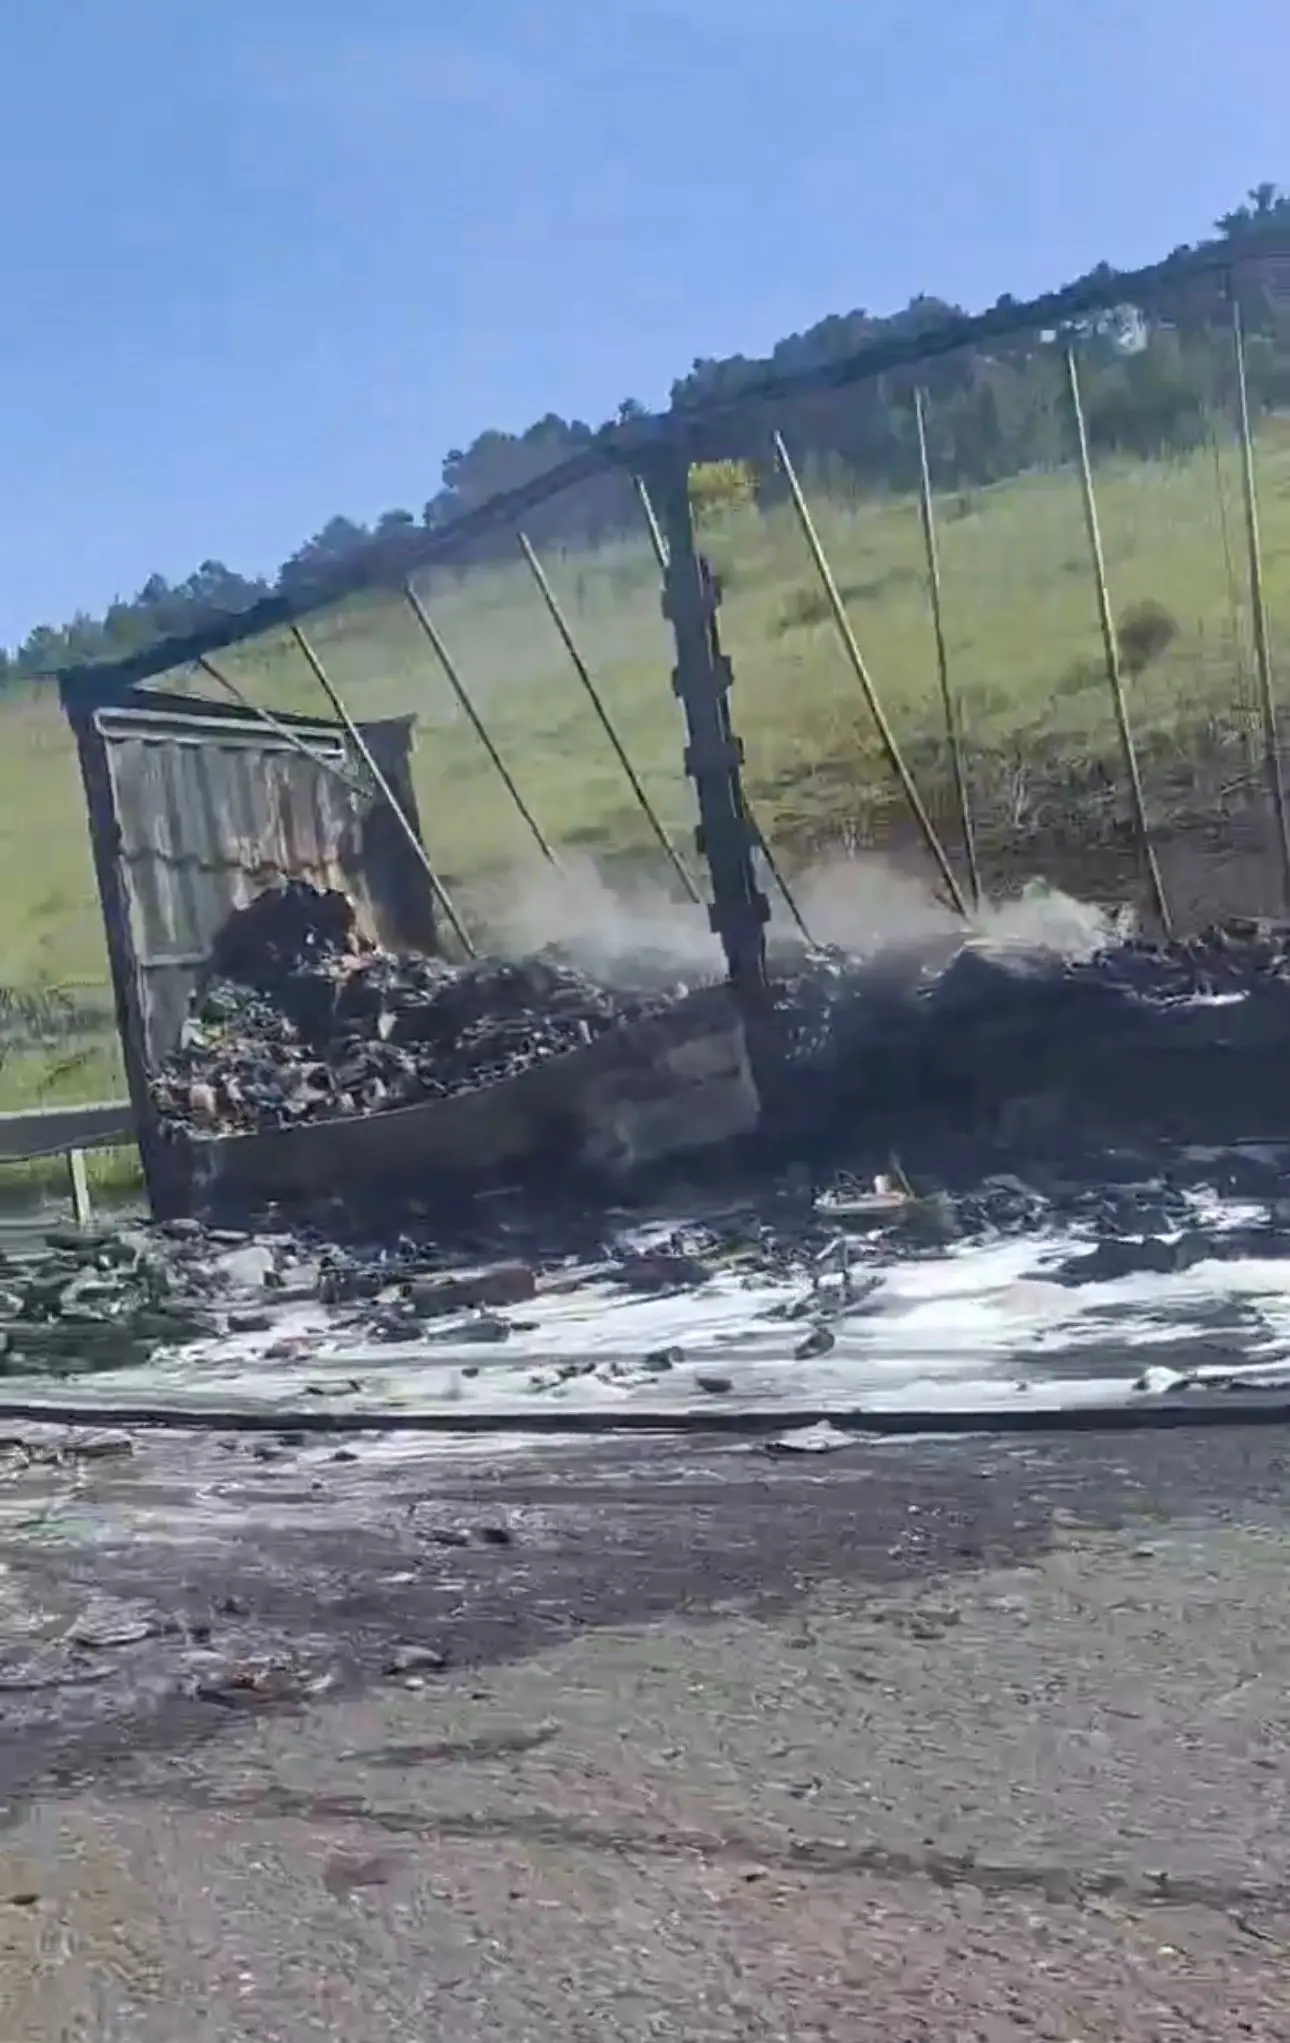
(264, 260)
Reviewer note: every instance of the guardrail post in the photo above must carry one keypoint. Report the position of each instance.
(78, 1183)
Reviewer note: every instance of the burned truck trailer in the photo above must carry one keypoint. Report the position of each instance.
(196, 809)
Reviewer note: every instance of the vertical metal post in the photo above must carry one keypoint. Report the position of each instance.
(651, 522)
(850, 646)
(78, 1185)
(583, 672)
(953, 734)
(1258, 608)
(165, 1163)
(714, 756)
(431, 632)
(1111, 651)
(760, 839)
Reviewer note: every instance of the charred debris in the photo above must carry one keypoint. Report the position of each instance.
(299, 1018)
(1013, 1086)
(979, 1057)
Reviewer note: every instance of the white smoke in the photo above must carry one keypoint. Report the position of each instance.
(865, 904)
(623, 934)
(637, 933)
(1043, 919)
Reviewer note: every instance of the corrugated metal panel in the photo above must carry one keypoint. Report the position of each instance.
(206, 820)
(195, 811)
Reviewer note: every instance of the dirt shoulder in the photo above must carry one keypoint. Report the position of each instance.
(957, 1741)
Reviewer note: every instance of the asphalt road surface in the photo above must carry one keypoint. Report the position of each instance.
(957, 1740)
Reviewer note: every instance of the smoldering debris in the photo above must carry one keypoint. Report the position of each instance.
(991, 1041)
(299, 1019)
(1009, 1049)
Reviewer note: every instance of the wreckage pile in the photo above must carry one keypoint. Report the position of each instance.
(299, 1019)
(1182, 1042)
(103, 1299)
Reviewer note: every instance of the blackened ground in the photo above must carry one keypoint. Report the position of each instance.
(961, 1740)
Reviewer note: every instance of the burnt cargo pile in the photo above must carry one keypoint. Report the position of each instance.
(298, 1019)
(1004, 1051)
(1178, 1043)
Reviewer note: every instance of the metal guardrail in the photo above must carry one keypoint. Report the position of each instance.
(67, 1132)
(54, 1131)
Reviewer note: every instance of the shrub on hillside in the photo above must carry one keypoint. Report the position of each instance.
(1144, 632)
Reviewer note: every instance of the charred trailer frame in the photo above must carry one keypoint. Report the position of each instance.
(195, 806)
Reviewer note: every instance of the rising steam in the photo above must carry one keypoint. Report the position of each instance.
(637, 934)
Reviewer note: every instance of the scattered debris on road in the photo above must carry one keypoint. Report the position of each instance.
(103, 1300)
